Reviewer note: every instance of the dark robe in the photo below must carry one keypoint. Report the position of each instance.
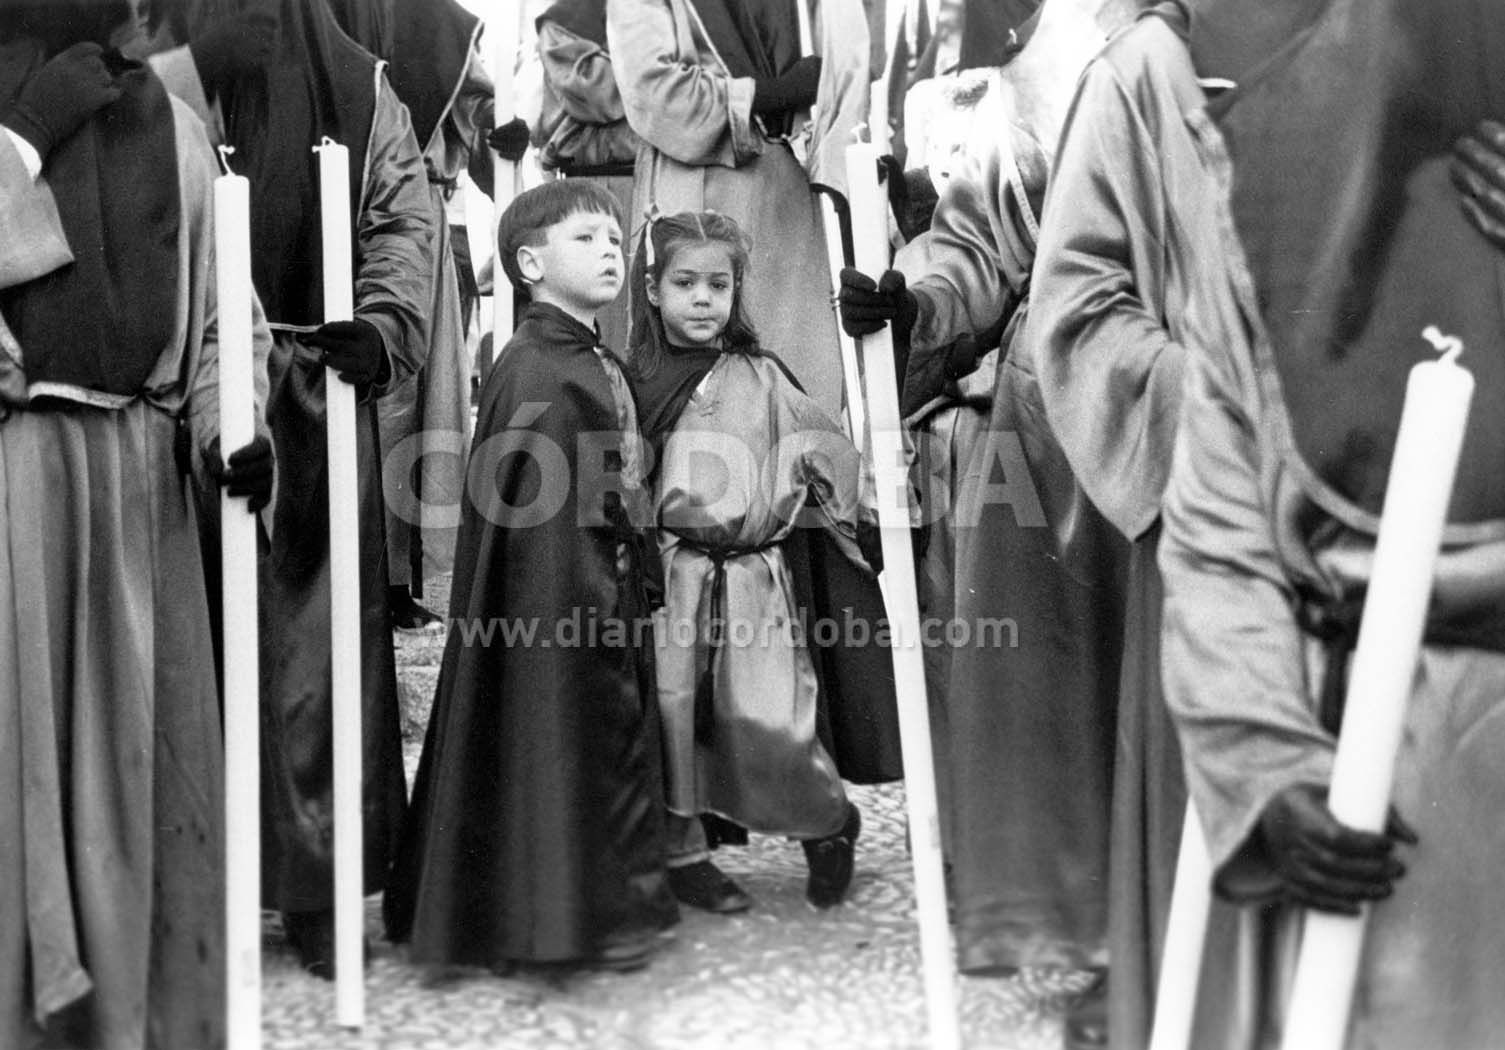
(536, 828)
(319, 82)
(427, 45)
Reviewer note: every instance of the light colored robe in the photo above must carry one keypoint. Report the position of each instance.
(1241, 680)
(583, 124)
(111, 850)
(764, 767)
(1130, 269)
(702, 150)
(1030, 726)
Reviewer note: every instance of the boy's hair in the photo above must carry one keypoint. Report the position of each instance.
(527, 219)
(662, 239)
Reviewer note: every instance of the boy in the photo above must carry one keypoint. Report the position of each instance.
(535, 833)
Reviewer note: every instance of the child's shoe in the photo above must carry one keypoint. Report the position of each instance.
(831, 860)
(705, 886)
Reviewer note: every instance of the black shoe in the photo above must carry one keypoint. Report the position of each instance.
(312, 934)
(705, 886)
(410, 617)
(831, 862)
(1087, 1016)
(627, 955)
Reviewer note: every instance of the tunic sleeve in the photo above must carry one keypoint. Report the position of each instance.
(583, 119)
(397, 232)
(978, 252)
(1232, 653)
(579, 72)
(468, 121)
(34, 243)
(680, 106)
(1110, 373)
(823, 461)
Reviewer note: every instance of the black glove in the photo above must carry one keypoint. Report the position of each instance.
(870, 543)
(866, 307)
(1479, 173)
(63, 94)
(236, 44)
(355, 350)
(510, 140)
(795, 88)
(249, 472)
(1324, 864)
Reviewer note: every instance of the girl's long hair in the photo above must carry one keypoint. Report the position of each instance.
(662, 239)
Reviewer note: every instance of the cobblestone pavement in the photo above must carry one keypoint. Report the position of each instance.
(780, 976)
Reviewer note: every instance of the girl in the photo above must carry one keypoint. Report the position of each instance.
(742, 450)
(714, 89)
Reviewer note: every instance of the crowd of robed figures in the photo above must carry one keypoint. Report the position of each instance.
(1146, 290)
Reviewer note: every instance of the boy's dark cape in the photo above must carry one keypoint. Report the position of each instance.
(536, 827)
(857, 715)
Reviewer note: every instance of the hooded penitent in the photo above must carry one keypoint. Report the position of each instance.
(427, 45)
(318, 83)
(101, 322)
(1355, 240)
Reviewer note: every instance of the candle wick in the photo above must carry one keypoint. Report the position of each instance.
(224, 159)
(1449, 346)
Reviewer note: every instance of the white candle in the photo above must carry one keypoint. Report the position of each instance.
(870, 243)
(1185, 936)
(1384, 667)
(237, 428)
(344, 582)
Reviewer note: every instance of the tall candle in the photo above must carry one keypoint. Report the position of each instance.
(870, 243)
(344, 582)
(1185, 936)
(1384, 668)
(237, 427)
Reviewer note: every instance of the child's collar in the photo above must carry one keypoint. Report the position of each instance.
(591, 334)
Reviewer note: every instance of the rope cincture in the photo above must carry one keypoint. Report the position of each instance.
(705, 685)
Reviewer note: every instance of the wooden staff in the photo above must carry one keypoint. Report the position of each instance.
(242, 668)
(870, 240)
(1185, 937)
(345, 604)
(508, 179)
(830, 221)
(1417, 494)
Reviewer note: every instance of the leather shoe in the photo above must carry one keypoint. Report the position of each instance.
(831, 861)
(311, 933)
(705, 886)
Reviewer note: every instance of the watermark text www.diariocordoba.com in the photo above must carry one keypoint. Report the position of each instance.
(588, 629)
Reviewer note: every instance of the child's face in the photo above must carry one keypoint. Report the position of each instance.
(579, 266)
(694, 295)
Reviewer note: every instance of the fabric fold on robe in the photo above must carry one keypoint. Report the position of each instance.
(536, 828)
(111, 880)
(762, 761)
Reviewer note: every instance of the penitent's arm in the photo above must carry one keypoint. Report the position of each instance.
(1232, 655)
